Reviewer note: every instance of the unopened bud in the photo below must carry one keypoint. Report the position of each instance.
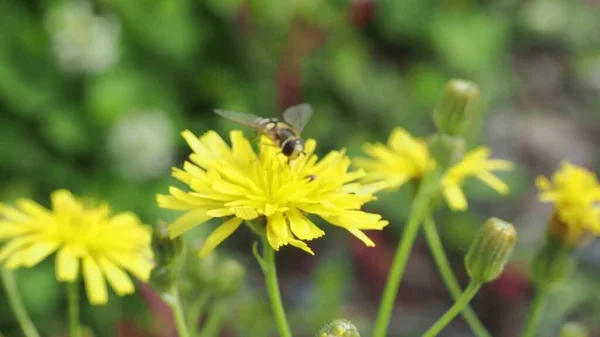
(162, 279)
(445, 149)
(166, 250)
(490, 250)
(574, 330)
(230, 276)
(458, 109)
(339, 328)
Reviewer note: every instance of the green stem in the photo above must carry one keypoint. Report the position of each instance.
(535, 311)
(15, 302)
(458, 306)
(441, 260)
(213, 323)
(73, 298)
(273, 290)
(172, 298)
(428, 188)
(194, 313)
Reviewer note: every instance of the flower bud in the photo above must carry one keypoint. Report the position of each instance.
(166, 250)
(230, 277)
(162, 279)
(458, 108)
(490, 250)
(339, 328)
(445, 149)
(574, 330)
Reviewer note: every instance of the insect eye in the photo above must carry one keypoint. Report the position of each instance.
(288, 148)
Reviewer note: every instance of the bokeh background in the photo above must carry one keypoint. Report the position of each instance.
(93, 95)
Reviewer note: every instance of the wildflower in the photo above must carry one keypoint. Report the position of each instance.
(236, 185)
(477, 164)
(404, 158)
(575, 193)
(107, 245)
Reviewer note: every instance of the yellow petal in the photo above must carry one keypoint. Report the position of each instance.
(40, 251)
(542, 183)
(188, 221)
(455, 197)
(302, 227)
(63, 201)
(15, 245)
(218, 235)
(246, 213)
(94, 282)
(361, 236)
(494, 182)
(67, 265)
(277, 231)
(32, 208)
(117, 278)
(10, 229)
(300, 244)
(138, 264)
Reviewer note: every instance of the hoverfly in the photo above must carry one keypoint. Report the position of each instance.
(286, 133)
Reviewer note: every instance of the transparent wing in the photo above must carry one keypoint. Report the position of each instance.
(240, 117)
(297, 116)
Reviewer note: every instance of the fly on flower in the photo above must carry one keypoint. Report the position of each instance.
(285, 134)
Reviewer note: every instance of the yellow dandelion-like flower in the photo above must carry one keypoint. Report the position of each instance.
(107, 245)
(404, 158)
(575, 193)
(477, 164)
(236, 184)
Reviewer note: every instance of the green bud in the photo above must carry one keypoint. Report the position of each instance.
(490, 250)
(458, 109)
(339, 328)
(162, 279)
(552, 263)
(166, 250)
(574, 330)
(445, 149)
(230, 276)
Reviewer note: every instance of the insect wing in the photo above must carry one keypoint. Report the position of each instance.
(298, 116)
(241, 118)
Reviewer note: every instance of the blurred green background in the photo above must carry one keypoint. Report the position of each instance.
(93, 96)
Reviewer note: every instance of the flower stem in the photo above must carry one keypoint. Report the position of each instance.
(273, 289)
(172, 298)
(15, 302)
(427, 189)
(213, 323)
(441, 260)
(73, 298)
(462, 301)
(535, 311)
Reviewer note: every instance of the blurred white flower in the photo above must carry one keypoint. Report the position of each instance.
(141, 145)
(81, 40)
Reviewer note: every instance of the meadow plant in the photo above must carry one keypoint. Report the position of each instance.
(278, 198)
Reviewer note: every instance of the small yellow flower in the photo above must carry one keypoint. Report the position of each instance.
(236, 185)
(477, 164)
(107, 245)
(404, 158)
(575, 193)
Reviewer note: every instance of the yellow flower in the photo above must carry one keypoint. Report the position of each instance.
(404, 158)
(477, 164)
(235, 184)
(107, 245)
(575, 193)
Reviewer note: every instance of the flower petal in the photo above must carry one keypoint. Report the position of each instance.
(95, 285)
(361, 236)
(219, 235)
(67, 264)
(302, 227)
(188, 221)
(117, 278)
(455, 197)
